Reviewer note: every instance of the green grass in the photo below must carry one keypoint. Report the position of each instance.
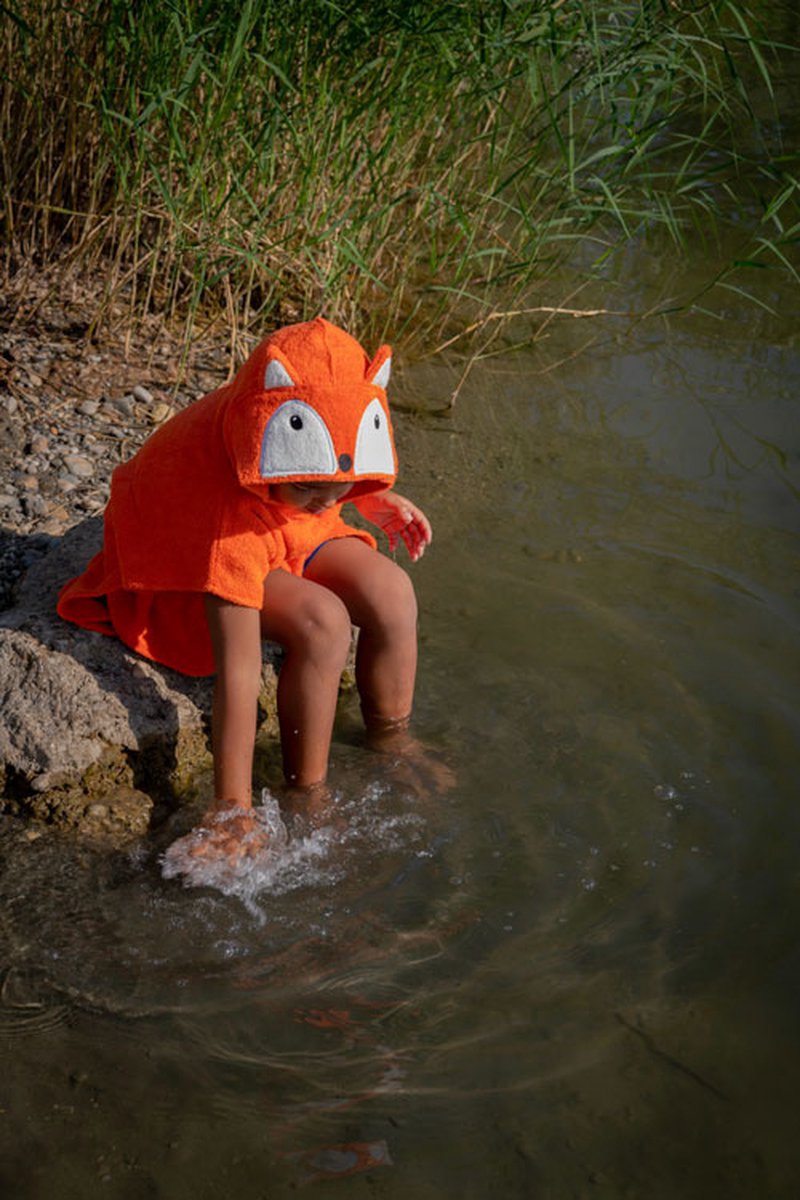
(407, 168)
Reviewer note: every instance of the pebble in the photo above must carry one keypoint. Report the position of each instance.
(40, 444)
(88, 408)
(142, 395)
(11, 405)
(57, 520)
(123, 404)
(76, 464)
(34, 506)
(159, 412)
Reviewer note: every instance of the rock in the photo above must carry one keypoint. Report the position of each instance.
(88, 408)
(76, 464)
(159, 412)
(125, 405)
(142, 395)
(88, 723)
(57, 519)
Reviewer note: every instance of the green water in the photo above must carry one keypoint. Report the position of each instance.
(576, 973)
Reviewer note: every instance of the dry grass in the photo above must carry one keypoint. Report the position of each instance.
(419, 171)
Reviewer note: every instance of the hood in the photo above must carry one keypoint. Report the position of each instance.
(309, 404)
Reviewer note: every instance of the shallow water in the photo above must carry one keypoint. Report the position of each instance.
(576, 972)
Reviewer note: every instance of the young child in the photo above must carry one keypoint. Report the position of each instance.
(226, 528)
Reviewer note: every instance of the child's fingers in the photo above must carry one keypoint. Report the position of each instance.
(415, 542)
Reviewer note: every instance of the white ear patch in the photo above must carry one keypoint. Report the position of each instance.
(381, 377)
(276, 375)
(373, 444)
(296, 441)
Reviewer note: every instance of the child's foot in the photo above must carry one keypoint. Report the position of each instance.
(416, 764)
(308, 808)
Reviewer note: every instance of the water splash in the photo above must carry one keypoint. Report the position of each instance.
(264, 859)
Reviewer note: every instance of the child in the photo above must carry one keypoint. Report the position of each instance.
(226, 528)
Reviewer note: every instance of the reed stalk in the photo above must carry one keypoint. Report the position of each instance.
(414, 169)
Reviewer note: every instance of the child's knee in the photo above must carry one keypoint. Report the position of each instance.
(394, 603)
(323, 629)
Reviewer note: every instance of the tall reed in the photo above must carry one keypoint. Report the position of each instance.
(397, 166)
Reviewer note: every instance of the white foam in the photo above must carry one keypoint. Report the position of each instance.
(269, 860)
(265, 859)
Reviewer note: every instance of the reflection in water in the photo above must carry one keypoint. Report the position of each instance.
(576, 970)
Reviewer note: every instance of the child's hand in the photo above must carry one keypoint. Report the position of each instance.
(397, 517)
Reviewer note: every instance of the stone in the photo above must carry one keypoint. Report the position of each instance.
(159, 412)
(123, 404)
(86, 722)
(77, 465)
(142, 395)
(88, 408)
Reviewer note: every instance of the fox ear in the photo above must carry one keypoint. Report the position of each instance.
(276, 375)
(380, 369)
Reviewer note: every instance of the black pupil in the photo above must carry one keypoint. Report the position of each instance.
(296, 422)
(377, 422)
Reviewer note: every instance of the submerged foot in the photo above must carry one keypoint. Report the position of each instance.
(309, 808)
(413, 762)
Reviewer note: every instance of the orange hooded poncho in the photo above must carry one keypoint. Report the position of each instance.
(192, 512)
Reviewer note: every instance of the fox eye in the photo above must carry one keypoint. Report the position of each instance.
(374, 454)
(296, 441)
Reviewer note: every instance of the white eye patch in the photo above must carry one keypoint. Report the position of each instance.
(373, 444)
(296, 441)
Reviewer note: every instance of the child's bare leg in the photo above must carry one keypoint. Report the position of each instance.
(313, 626)
(380, 599)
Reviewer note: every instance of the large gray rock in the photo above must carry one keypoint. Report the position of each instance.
(91, 734)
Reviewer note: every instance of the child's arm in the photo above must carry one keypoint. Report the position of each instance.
(397, 517)
(236, 641)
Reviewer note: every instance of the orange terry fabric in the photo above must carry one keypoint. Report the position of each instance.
(191, 513)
